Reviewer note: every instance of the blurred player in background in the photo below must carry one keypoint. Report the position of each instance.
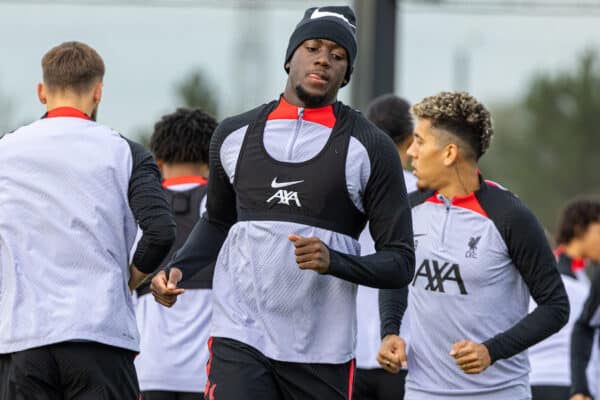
(391, 114)
(584, 228)
(173, 342)
(578, 241)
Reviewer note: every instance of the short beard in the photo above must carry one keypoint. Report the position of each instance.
(311, 101)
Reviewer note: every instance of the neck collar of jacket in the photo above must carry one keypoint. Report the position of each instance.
(321, 115)
(69, 112)
(184, 180)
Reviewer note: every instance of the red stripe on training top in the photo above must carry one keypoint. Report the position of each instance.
(182, 180)
(351, 380)
(66, 112)
(210, 353)
(468, 202)
(320, 115)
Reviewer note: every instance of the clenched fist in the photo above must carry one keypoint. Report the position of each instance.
(471, 357)
(392, 353)
(311, 253)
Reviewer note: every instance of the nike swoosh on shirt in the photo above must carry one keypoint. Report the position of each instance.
(419, 234)
(277, 185)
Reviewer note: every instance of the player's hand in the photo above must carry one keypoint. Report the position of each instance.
(580, 396)
(136, 277)
(471, 357)
(311, 253)
(165, 291)
(392, 353)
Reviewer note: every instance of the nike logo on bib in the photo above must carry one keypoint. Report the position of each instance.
(277, 185)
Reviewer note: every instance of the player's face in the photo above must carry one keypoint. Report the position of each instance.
(427, 157)
(591, 242)
(316, 72)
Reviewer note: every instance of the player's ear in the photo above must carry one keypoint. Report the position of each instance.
(161, 164)
(98, 92)
(450, 154)
(41, 92)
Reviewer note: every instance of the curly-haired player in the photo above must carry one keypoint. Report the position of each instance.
(479, 254)
(183, 137)
(173, 343)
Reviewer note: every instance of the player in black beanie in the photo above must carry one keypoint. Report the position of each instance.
(292, 184)
(337, 24)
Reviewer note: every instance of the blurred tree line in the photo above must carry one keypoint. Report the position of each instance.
(193, 91)
(546, 147)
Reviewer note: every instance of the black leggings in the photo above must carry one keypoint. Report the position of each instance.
(550, 392)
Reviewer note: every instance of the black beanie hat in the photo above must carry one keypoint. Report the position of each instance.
(333, 23)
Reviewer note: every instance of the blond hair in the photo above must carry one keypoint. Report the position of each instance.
(460, 114)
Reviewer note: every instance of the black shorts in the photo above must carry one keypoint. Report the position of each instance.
(163, 395)
(378, 384)
(546, 392)
(70, 371)
(237, 371)
(4, 364)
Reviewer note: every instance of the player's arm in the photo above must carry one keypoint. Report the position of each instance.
(150, 209)
(392, 306)
(582, 339)
(390, 223)
(204, 242)
(532, 256)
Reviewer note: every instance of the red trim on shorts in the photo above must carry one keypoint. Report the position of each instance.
(351, 379)
(66, 112)
(182, 180)
(207, 388)
(320, 115)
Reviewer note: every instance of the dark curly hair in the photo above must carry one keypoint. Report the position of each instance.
(460, 114)
(183, 136)
(576, 217)
(391, 114)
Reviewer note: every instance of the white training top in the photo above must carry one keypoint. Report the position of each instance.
(66, 230)
(173, 341)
